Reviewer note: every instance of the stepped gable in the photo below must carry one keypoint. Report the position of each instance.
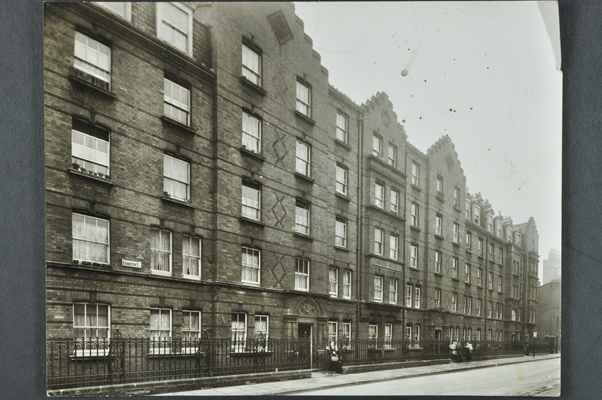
(382, 99)
(342, 95)
(415, 149)
(443, 142)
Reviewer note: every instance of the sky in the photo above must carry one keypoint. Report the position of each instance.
(484, 73)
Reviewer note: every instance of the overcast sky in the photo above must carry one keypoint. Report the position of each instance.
(492, 63)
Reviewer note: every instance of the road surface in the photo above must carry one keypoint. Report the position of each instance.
(538, 378)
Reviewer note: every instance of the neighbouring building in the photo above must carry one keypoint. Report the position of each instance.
(552, 267)
(202, 175)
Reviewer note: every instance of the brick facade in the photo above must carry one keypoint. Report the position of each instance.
(134, 200)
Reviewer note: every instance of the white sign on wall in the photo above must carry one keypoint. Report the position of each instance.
(131, 264)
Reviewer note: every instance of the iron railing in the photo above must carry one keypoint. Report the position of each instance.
(81, 363)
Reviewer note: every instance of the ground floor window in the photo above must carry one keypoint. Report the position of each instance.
(332, 331)
(239, 332)
(388, 335)
(160, 330)
(373, 332)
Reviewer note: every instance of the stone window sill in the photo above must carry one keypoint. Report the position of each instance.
(304, 177)
(252, 86)
(305, 118)
(247, 152)
(89, 174)
(342, 144)
(74, 76)
(252, 221)
(176, 201)
(177, 124)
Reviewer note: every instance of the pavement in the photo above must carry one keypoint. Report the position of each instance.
(321, 380)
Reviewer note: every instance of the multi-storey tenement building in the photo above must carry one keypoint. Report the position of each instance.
(203, 176)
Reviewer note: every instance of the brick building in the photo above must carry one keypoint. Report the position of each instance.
(202, 175)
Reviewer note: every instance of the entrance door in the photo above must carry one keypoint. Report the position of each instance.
(304, 331)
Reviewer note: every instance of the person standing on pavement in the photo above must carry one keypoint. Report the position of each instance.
(333, 358)
(468, 351)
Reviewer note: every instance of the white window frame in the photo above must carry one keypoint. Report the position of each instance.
(439, 186)
(160, 345)
(480, 246)
(164, 33)
(490, 309)
(476, 213)
(188, 258)
(302, 218)
(498, 228)
(491, 251)
(490, 280)
(159, 254)
(303, 99)
(437, 298)
(456, 197)
(341, 179)
(500, 283)
(99, 345)
(176, 102)
(438, 259)
(514, 315)
(393, 247)
(340, 233)
(379, 195)
(454, 301)
(464, 304)
(413, 256)
(415, 174)
(346, 284)
(438, 225)
(479, 305)
(303, 161)
(251, 133)
(251, 206)
(509, 234)
(377, 145)
(87, 56)
(456, 233)
(250, 254)
(379, 246)
(393, 290)
(490, 223)
(89, 153)
(190, 334)
(454, 267)
(392, 155)
(469, 307)
(127, 11)
(480, 276)
(86, 240)
(467, 210)
(388, 336)
(172, 179)
(417, 297)
(333, 282)
(478, 337)
(468, 240)
(467, 273)
(373, 332)
(347, 332)
(417, 335)
(302, 274)
(238, 329)
(408, 295)
(342, 128)
(394, 201)
(333, 331)
(414, 215)
(265, 333)
(378, 288)
(251, 65)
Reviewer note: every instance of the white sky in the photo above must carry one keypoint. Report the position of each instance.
(492, 63)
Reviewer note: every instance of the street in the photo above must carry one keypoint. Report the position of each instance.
(540, 378)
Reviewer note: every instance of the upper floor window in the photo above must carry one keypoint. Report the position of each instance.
(191, 253)
(302, 274)
(414, 214)
(90, 239)
(491, 255)
(454, 267)
(498, 228)
(438, 257)
(124, 10)
(342, 128)
(394, 204)
(174, 25)
(92, 57)
(91, 322)
(303, 99)
(176, 103)
(437, 297)
(439, 186)
(415, 174)
(478, 310)
(251, 65)
(379, 195)
(467, 211)
(477, 214)
(90, 147)
(480, 277)
(456, 197)
(467, 274)
(251, 133)
(438, 225)
(303, 158)
(176, 178)
(417, 297)
(500, 255)
(480, 246)
(251, 266)
(490, 280)
(333, 282)
(377, 145)
(408, 295)
(340, 233)
(509, 234)
(160, 251)
(456, 233)
(517, 238)
(454, 301)
(251, 200)
(393, 247)
(346, 284)
(341, 180)
(393, 288)
(378, 288)
(302, 217)
(378, 241)
(413, 256)
(490, 223)
(392, 156)
(468, 240)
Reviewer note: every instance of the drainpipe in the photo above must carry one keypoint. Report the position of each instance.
(403, 282)
(359, 224)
